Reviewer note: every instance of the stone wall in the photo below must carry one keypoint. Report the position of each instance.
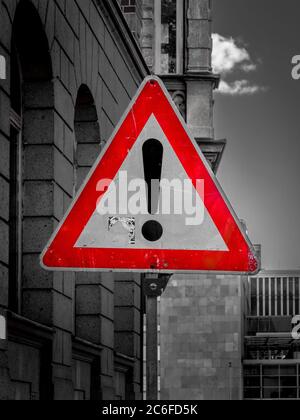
(86, 44)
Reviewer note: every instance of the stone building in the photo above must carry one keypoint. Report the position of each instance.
(72, 68)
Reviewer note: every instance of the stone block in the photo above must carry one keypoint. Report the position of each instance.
(127, 319)
(88, 327)
(37, 306)
(36, 233)
(107, 333)
(4, 242)
(39, 126)
(39, 162)
(3, 286)
(4, 199)
(88, 300)
(38, 198)
(87, 154)
(64, 173)
(62, 312)
(34, 277)
(4, 156)
(4, 113)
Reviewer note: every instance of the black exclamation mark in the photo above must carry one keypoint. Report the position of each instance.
(153, 157)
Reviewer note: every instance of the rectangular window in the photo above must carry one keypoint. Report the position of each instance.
(254, 297)
(297, 296)
(252, 393)
(279, 306)
(169, 36)
(271, 382)
(273, 297)
(261, 297)
(291, 297)
(267, 297)
(285, 297)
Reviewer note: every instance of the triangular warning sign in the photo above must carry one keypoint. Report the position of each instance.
(151, 203)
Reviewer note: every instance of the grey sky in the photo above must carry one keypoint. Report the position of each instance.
(260, 171)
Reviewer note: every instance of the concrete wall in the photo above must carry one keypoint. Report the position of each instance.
(201, 338)
(89, 45)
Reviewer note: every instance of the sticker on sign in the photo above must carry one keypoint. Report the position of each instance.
(151, 202)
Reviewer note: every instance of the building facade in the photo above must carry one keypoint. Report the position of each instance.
(271, 355)
(72, 67)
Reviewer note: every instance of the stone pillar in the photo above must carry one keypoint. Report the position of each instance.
(199, 42)
(200, 107)
(48, 187)
(128, 324)
(95, 321)
(200, 81)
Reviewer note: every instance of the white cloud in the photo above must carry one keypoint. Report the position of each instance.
(228, 56)
(239, 87)
(249, 67)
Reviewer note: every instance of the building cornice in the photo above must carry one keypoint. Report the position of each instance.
(200, 76)
(278, 273)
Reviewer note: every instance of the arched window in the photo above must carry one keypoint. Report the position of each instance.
(87, 134)
(31, 97)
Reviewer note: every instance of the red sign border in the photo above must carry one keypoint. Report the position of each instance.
(60, 254)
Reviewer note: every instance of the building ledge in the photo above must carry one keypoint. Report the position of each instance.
(21, 326)
(199, 76)
(282, 340)
(213, 150)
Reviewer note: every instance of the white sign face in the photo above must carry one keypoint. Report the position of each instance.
(181, 211)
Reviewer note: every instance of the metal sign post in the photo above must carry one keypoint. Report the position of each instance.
(153, 287)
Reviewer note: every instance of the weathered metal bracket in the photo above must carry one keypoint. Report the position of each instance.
(155, 284)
